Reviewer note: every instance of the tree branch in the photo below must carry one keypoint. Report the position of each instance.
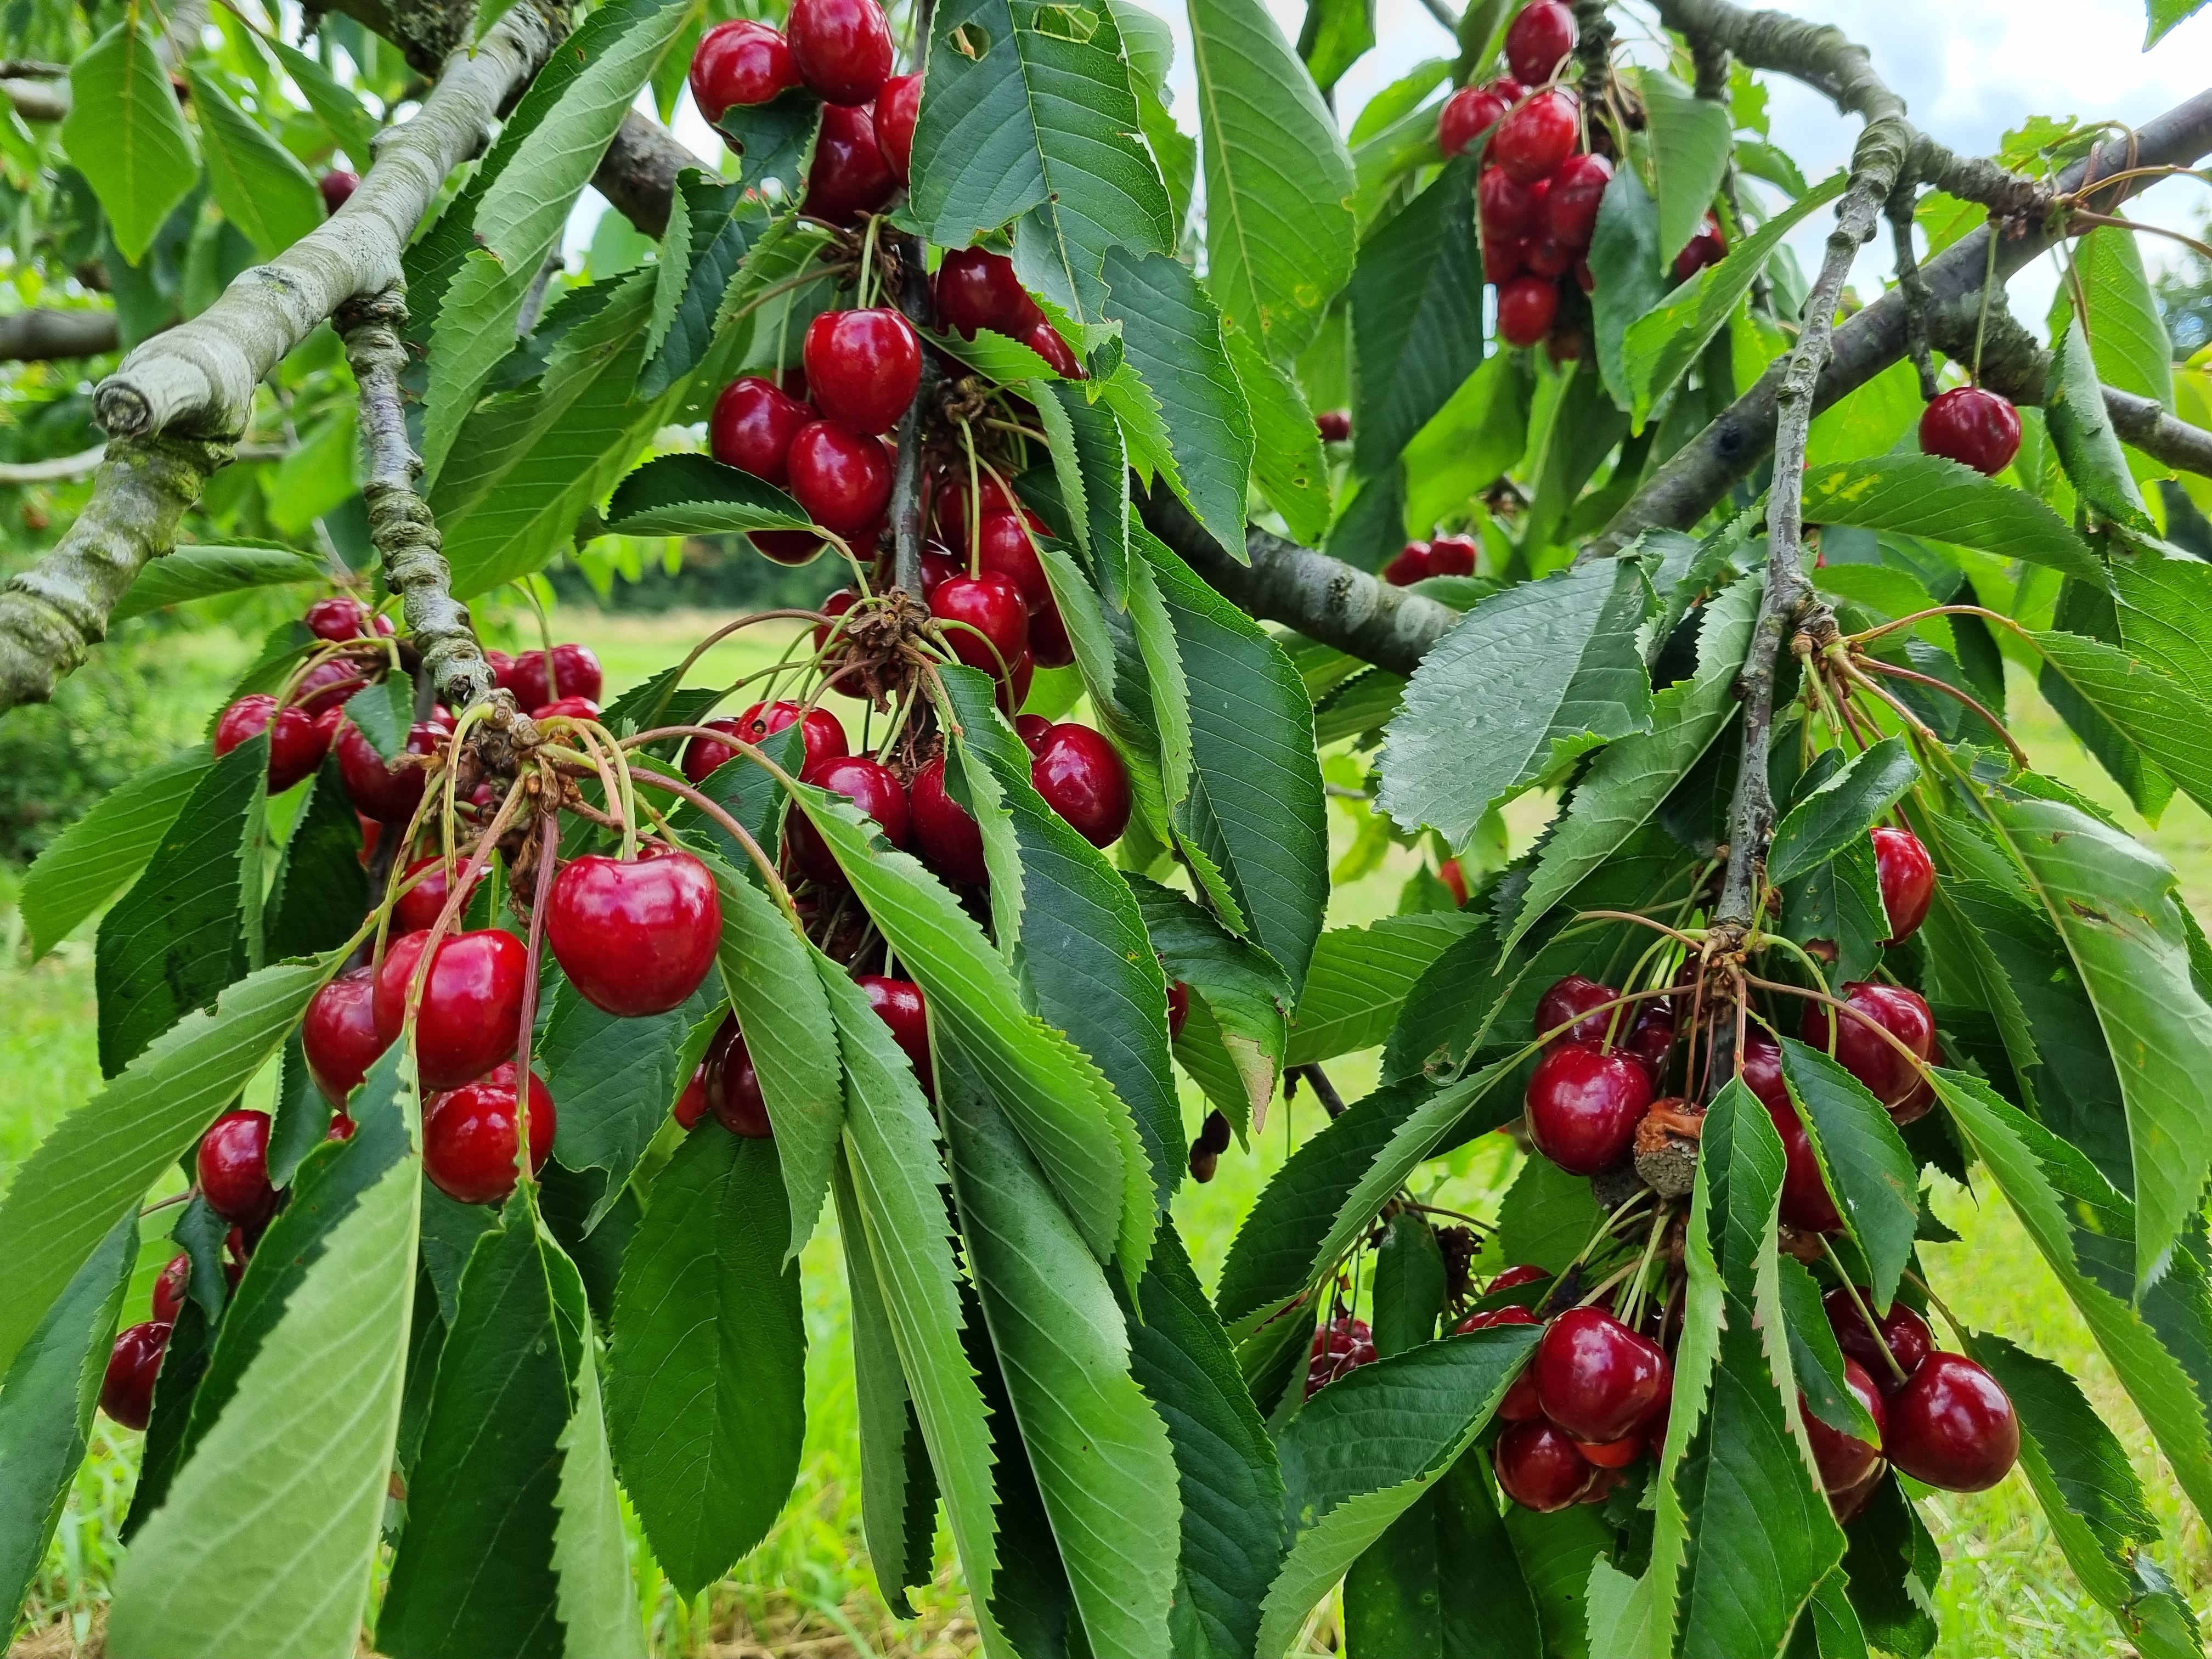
(43, 333)
(638, 172)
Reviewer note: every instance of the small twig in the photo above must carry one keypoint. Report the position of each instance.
(1324, 1091)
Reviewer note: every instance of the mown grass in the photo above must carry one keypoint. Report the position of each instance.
(808, 1588)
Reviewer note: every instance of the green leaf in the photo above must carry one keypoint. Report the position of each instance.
(385, 710)
(1894, 1565)
(260, 186)
(2128, 337)
(1547, 1216)
(1236, 1051)
(1470, 443)
(1416, 320)
(124, 133)
(709, 234)
(102, 852)
(615, 1079)
(321, 891)
(597, 1603)
(200, 573)
(1409, 1284)
(1287, 464)
(1445, 1579)
(1530, 678)
(707, 1391)
(1843, 810)
(2165, 14)
(1337, 34)
(1631, 279)
(1365, 1447)
(1279, 231)
(1689, 156)
(1927, 495)
(1840, 902)
(1091, 464)
(2164, 613)
(103, 1155)
(697, 495)
(775, 139)
(1359, 979)
(2082, 431)
(2163, 717)
(349, 125)
(1874, 1180)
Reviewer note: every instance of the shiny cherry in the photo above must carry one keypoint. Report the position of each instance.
(573, 672)
(1596, 1378)
(420, 905)
(1340, 1345)
(844, 479)
(387, 793)
(1532, 141)
(1178, 1007)
(948, 837)
(338, 186)
(832, 607)
(870, 786)
(1611, 1454)
(170, 1288)
(1505, 205)
(1571, 206)
(1546, 256)
(790, 546)
(1540, 39)
(822, 735)
(573, 708)
(233, 1168)
(1526, 307)
(1844, 1460)
(897, 106)
(989, 621)
(691, 1105)
(1540, 1467)
(843, 47)
(1974, 427)
(1514, 1315)
(1907, 875)
(1861, 1050)
(1050, 344)
(1953, 1426)
(740, 62)
(1650, 1034)
(1466, 115)
(733, 1091)
(1033, 730)
(1049, 645)
(1806, 1202)
(1583, 1110)
(1903, 1332)
(951, 506)
(1572, 999)
(1514, 1277)
(327, 685)
(472, 1008)
(978, 289)
(1453, 556)
(126, 1390)
(850, 175)
(1334, 426)
(1081, 777)
(1708, 247)
(898, 1003)
(638, 937)
(1408, 565)
(339, 1034)
(752, 427)
(341, 617)
(863, 368)
(297, 743)
(469, 1136)
(1520, 1404)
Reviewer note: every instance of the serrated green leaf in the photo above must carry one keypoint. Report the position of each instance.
(1359, 979)
(2082, 431)
(708, 237)
(597, 1605)
(1625, 258)
(1416, 320)
(2165, 612)
(1689, 155)
(1238, 990)
(124, 133)
(1927, 495)
(2165, 719)
(1816, 1357)
(1844, 809)
(384, 710)
(1893, 1564)
(697, 495)
(1545, 1217)
(615, 1080)
(1840, 902)
(2128, 337)
(775, 140)
(200, 573)
(1337, 34)
(1445, 1580)
(1468, 444)
(1287, 464)
(1091, 464)
(102, 852)
(341, 111)
(1873, 1178)
(1409, 1284)
(321, 891)
(260, 186)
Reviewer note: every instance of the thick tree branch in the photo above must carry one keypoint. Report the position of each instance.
(638, 172)
(2143, 423)
(43, 333)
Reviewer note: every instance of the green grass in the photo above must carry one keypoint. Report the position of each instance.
(808, 1587)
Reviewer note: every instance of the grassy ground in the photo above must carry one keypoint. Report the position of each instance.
(807, 1588)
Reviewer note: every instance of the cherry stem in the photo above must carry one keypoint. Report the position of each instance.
(1958, 1330)
(549, 849)
(738, 833)
(723, 633)
(1986, 615)
(1859, 1302)
(1798, 951)
(1650, 1245)
(1605, 1228)
(2019, 754)
(974, 503)
(1876, 1026)
(1693, 940)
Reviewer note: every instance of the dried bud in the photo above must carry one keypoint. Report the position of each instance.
(1667, 1146)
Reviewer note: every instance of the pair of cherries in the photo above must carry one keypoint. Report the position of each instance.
(976, 288)
(1446, 556)
(1595, 1081)
(1594, 1396)
(541, 680)
(300, 738)
(726, 1085)
(1340, 1345)
(1073, 767)
(1945, 1421)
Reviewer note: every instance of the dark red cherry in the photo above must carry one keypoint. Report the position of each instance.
(338, 186)
(1611, 1454)
(296, 743)
(469, 1136)
(1570, 207)
(1502, 258)
(1547, 257)
(850, 175)
(1972, 426)
(327, 685)
(791, 547)
(752, 427)
(472, 1008)
(844, 479)
(1049, 646)
(1908, 880)
(1526, 307)
(691, 1104)
(897, 106)
(1520, 1404)
(1082, 779)
(1806, 1202)
(898, 1003)
(1651, 1035)
(387, 793)
(843, 47)
(822, 735)
(988, 621)
(1596, 1378)
(733, 1091)
(1339, 1345)
(1178, 1007)
(1540, 1467)
(1708, 247)
(1033, 730)
(870, 786)
(419, 906)
(1903, 1332)
(1848, 1503)
(1533, 140)
(863, 367)
(233, 1168)
(1334, 426)
(1453, 556)
(1844, 1460)
(1540, 37)
(832, 607)
(1861, 1048)
(638, 937)
(339, 1034)
(977, 288)
(126, 1391)
(170, 1288)
(1050, 344)
(952, 506)
(1585, 278)
(1583, 1110)
(1408, 565)
(741, 62)
(573, 708)
(574, 671)
(1953, 1426)
(1513, 1278)
(1482, 1322)
(342, 1127)
(1572, 999)
(949, 838)
(1466, 115)
(341, 617)
(1507, 207)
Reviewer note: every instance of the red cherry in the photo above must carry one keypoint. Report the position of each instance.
(1844, 1460)
(342, 1127)
(1408, 565)
(1454, 878)
(1806, 1203)
(1540, 1467)
(1611, 1454)
(469, 1138)
(635, 938)
(691, 1104)
(1334, 426)
(1847, 1504)
(1507, 206)
(338, 186)
(897, 107)
(1340, 1345)
(574, 671)
(752, 427)
(898, 1003)
(949, 838)
(1533, 140)
(170, 1289)
(419, 906)
(1572, 999)
(1033, 730)
(843, 47)
(1540, 37)
(296, 744)
(1953, 1426)
(573, 708)
(1908, 880)
(822, 734)
(732, 1086)
(1483, 1321)
(791, 547)
(388, 794)
(341, 617)
(1507, 90)
(1596, 1378)
(327, 685)
(1049, 646)
(339, 1034)
(1708, 247)
(835, 605)
(1048, 343)
(1861, 1050)
(850, 175)
(1585, 278)
(1466, 115)
(978, 289)
(1082, 779)
(1570, 207)
(1007, 550)
(1583, 1110)
(126, 1391)
(1453, 556)
(1178, 1007)
(863, 367)
(1014, 691)
(471, 1007)
(233, 1168)
(1502, 258)
(1526, 307)
(953, 505)
(842, 478)
(1546, 257)
(1513, 1278)
(738, 63)
(1972, 426)
(990, 621)
(1903, 1332)
(1650, 1035)
(870, 786)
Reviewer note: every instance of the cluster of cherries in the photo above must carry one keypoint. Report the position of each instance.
(1444, 556)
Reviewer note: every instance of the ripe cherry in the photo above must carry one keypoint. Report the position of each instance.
(1502, 258)
(472, 1008)
(898, 1003)
(1526, 307)
(863, 367)
(327, 685)
(952, 506)
(340, 617)
(752, 427)
(1507, 207)
(1953, 1426)
(832, 607)
(1583, 1110)
(171, 1289)
(788, 547)
(1903, 1332)
(1410, 564)
(850, 175)
(843, 47)
(1540, 37)
(419, 906)
(1082, 779)
(989, 621)
(1861, 1050)
(1178, 1007)
(1596, 1378)
(1049, 645)
(1806, 1203)
(469, 1136)
(1650, 1034)
(733, 1091)
(1847, 1504)
(949, 838)
(1466, 115)
(844, 479)
(1340, 1345)
(1972, 426)
(1572, 999)
(739, 63)
(126, 1391)
(1611, 1454)
(387, 793)
(1514, 1315)
(1708, 247)
(822, 735)
(1546, 256)
(870, 786)
(233, 1168)
(297, 743)
(1453, 556)
(1334, 426)
(1844, 1460)
(1520, 1404)
(573, 708)
(691, 1104)
(1514, 1277)
(978, 289)
(638, 937)
(1454, 878)
(1571, 206)
(1540, 1467)
(574, 671)
(1032, 730)
(339, 1034)
(897, 107)
(342, 1127)
(1907, 875)
(1533, 140)
(338, 186)
(1048, 343)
